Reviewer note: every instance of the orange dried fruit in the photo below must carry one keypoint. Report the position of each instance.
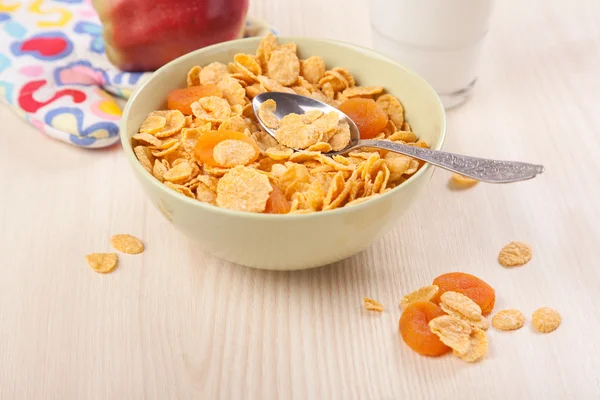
(203, 151)
(469, 285)
(182, 99)
(277, 203)
(367, 115)
(414, 328)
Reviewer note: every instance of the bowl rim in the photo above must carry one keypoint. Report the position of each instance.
(128, 147)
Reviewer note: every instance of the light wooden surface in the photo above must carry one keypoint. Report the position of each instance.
(175, 323)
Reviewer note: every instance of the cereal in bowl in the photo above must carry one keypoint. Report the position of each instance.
(208, 145)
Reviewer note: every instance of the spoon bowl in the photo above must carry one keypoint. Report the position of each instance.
(481, 169)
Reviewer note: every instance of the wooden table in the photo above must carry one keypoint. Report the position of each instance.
(175, 323)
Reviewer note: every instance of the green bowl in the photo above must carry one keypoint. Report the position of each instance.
(289, 242)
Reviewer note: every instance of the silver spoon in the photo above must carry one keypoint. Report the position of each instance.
(485, 170)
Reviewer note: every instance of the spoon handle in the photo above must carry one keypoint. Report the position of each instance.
(485, 170)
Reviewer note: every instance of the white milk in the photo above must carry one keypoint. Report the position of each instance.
(439, 39)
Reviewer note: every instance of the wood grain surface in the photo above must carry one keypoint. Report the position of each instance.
(175, 323)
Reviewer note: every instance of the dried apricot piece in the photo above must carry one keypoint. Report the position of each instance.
(367, 115)
(414, 328)
(182, 99)
(469, 285)
(203, 151)
(277, 203)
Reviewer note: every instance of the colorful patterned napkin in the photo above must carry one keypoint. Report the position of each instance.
(54, 73)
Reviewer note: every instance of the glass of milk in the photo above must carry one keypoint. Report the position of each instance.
(441, 40)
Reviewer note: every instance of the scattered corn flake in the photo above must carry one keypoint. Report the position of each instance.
(175, 121)
(393, 109)
(127, 244)
(362, 91)
(460, 303)
(266, 113)
(508, 320)
(461, 181)
(243, 189)
(145, 157)
(293, 133)
(426, 293)
(153, 123)
(211, 109)
(212, 73)
(545, 319)
(406, 126)
(102, 262)
(230, 153)
(478, 346)
(283, 66)
(179, 172)
(515, 254)
(193, 76)
(453, 332)
(372, 305)
(328, 90)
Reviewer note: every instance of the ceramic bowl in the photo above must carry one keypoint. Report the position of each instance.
(289, 242)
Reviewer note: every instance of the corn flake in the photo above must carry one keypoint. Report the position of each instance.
(283, 66)
(362, 91)
(508, 320)
(372, 305)
(426, 293)
(293, 133)
(175, 121)
(102, 262)
(393, 109)
(478, 346)
(545, 319)
(266, 113)
(515, 254)
(127, 244)
(193, 76)
(179, 172)
(211, 109)
(230, 153)
(453, 332)
(243, 189)
(212, 73)
(153, 124)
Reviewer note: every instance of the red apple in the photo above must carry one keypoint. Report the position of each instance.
(142, 35)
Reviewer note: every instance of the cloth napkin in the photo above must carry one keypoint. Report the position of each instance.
(55, 75)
